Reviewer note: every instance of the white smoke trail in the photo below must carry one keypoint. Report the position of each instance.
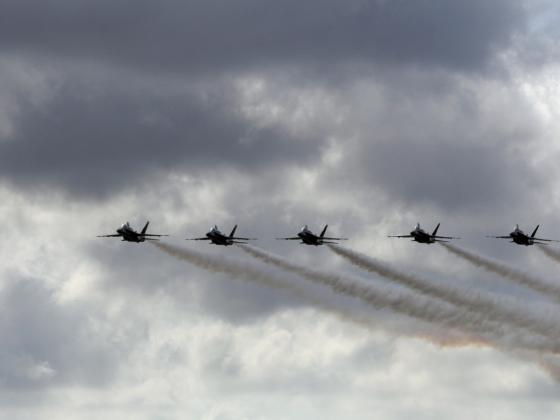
(253, 274)
(519, 277)
(484, 306)
(439, 313)
(450, 338)
(549, 252)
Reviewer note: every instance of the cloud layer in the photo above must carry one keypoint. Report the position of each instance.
(368, 115)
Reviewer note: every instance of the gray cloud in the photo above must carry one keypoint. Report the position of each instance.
(455, 176)
(96, 139)
(148, 272)
(47, 343)
(96, 135)
(196, 36)
(453, 145)
(365, 115)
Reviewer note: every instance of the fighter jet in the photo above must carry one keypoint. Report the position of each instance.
(521, 238)
(420, 235)
(130, 235)
(218, 238)
(309, 238)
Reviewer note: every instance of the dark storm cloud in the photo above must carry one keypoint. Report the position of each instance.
(94, 140)
(450, 175)
(192, 36)
(462, 147)
(95, 137)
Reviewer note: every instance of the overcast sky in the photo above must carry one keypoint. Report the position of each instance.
(368, 115)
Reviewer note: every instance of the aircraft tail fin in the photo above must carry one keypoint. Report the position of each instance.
(324, 230)
(435, 230)
(535, 231)
(233, 231)
(145, 227)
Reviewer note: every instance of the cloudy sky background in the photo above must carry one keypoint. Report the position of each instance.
(369, 115)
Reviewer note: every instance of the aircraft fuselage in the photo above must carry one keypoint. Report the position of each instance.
(130, 235)
(309, 238)
(520, 238)
(218, 238)
(421, 236)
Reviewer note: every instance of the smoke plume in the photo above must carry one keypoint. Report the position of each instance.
(412, 305)
(549, 252)
(247, 273)
(484, 306)
(493, 266)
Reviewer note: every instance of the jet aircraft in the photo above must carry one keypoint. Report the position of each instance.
(420, 235)
(218, 238)
(127, 233)
(521, 238)
(309, 238)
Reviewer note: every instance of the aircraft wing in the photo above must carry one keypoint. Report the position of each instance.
(198, 239)
(152, 234)
(499, 237)
(116, 235)
(244, 239)
(400, 236)
(297, 238)
(546, 240)
(335, 239)
(445, 237)
(151, 239)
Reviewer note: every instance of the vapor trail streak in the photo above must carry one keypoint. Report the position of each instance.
(551, 253)
(519, 277)
(252, 274)
(414, 306)
(484, 306)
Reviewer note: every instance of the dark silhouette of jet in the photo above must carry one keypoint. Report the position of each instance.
(420, 235)
(309, 238)
(128, 234)
(218, 238)
(521, 238)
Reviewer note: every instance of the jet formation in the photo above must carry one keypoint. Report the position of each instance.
(307, 237)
